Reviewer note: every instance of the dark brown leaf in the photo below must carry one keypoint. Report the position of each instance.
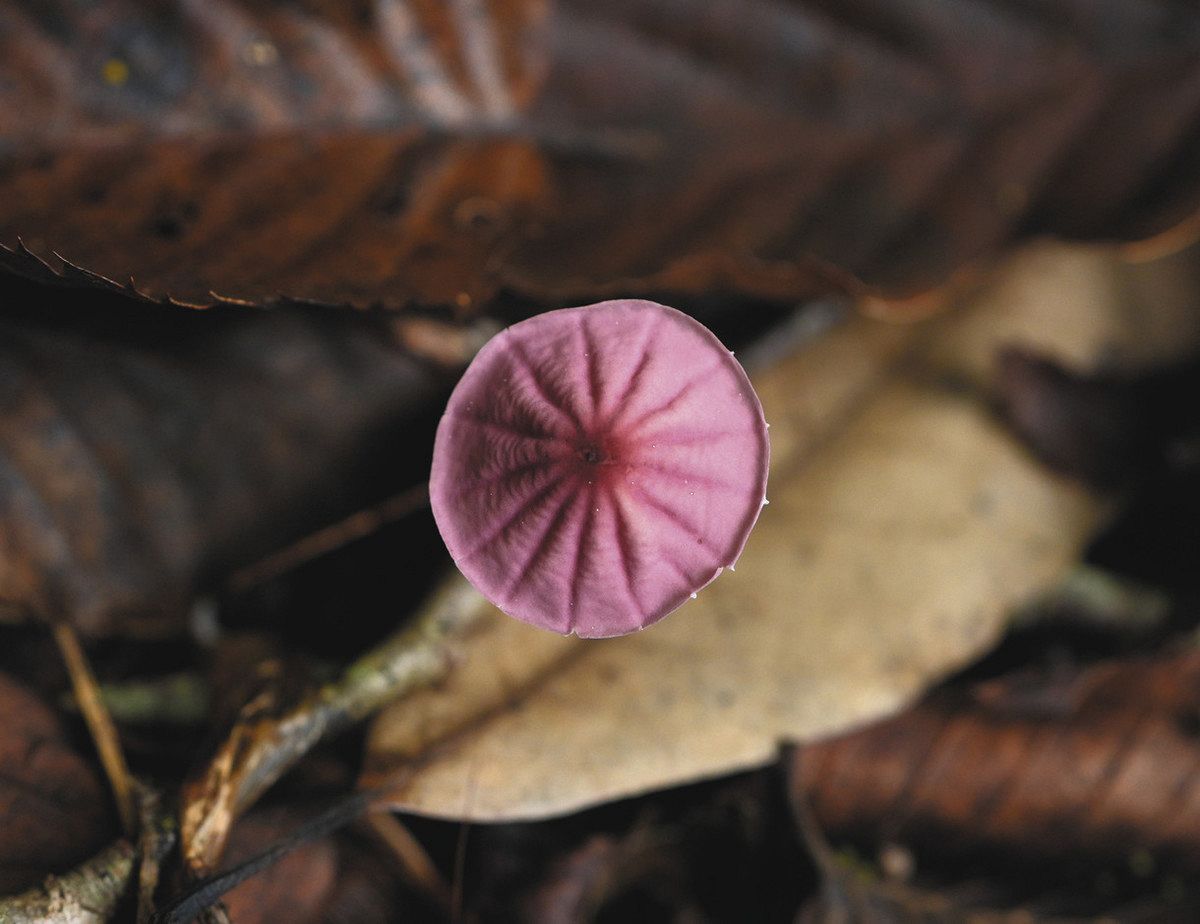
(1094, 428)
(54, 808)
(717, 851)
(852, 892)
(145, 451)
(1096, 763)
(390, 151)
(369, 888)
(294, 889)
(347, 879)
(1112, 430)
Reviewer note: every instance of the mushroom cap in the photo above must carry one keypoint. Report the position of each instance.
(597, 466)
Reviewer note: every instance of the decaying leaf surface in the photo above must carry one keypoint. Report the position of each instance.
(904, 523)
(54, 808)
(296, 888)
(144, 449)
(1059, 786)
(1096, 761)
(390, 151)
(725, 850)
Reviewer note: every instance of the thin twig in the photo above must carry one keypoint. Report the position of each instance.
(413, 658)
(100, 724)
(182, 699)
(89, 894)
(255, 756)
(356, 526)
(415, 864)
(158, 836)
(208, 891)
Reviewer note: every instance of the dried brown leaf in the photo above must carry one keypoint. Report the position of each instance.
(391, 151)
(294, 889)
(144, 450)
(904, 524)
(54, 808)
(1098, 762)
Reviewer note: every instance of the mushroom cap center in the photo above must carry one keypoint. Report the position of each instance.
(597, 454)
(596, 466)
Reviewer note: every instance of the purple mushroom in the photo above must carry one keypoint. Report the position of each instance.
(597, 466)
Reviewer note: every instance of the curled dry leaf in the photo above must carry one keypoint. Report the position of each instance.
(383, 150)
(904, 523)
(1029, 776)
(1095, 428)
(1110, 430)
(54, 808)
(142, 450)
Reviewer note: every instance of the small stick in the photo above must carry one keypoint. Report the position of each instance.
(158, 836)
(208, 891)
(415, 863)
(99, 723)
(89, 894)
(258, 753)
(356, 526)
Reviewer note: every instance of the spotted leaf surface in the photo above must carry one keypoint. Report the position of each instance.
(596, 466)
